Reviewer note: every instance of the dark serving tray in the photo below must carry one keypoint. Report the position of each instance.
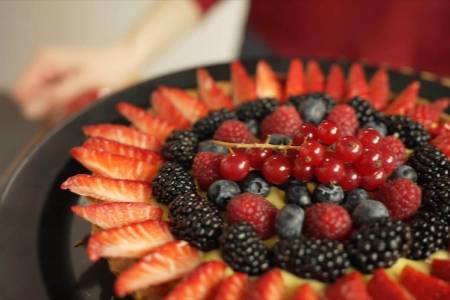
(38, 259)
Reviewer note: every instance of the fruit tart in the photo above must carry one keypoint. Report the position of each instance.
(303, 186)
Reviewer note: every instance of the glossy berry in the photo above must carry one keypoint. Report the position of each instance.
(354, 198)
(221, 192)
(311, 152)
(276, 169)
(373, 181)
(378, 126)
(328, 193)
(234, 166)
(298, 194)
(307, 131)
(255, 210)
(256, 184)
(327, 132)
(389, 162)
(289, 222)
(327, 221)
(370, 161)
(368, 211)
(302, 171)
(351, 179)
(369, 137)
(404, 171)
(330, 171)
(257, 156)
(348, 149)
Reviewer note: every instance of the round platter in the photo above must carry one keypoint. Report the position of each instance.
(38, 257)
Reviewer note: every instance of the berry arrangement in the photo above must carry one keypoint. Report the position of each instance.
(310, 178)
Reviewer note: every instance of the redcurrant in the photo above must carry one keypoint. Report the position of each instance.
(234, 166)
(351, 180)
(348, 149)
(257, 156)
(373, 181)
(369, 162)
(312, 152)
(330, 171)
(327, 132)
(307, 131)
(302, 171)
(276, 169)
(389, 162)
(369, 137)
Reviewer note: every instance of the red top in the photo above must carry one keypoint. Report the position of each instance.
(413, 33)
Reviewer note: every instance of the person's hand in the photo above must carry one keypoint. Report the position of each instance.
(58, 76)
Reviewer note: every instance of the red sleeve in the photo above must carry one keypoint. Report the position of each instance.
(205, 5)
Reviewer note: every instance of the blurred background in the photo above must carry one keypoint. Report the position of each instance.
(26, 26)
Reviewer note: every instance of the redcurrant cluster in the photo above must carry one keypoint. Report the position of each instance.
(320, 152)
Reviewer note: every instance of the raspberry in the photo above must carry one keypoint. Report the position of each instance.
(327, 221)
(206, 168)
(402, 197)
(234, 131)
(394, 146)
(344, 116)
(442, 142)
(255, 210)
(285, 120)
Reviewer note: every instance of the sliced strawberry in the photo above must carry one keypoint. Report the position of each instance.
(428, 114)
(168, 262)
(211, 94)
(442, 142)
(145, 121)
(123, 134)
(122, 149)
(382, 287)
(441, 268)
(315, 79)
(165, 110)
(348, 287)
(357, 84)
(269, 286)
(423, 286)
(336, 83)
(305, 292)
(244, 89)
(295, 81)
(379, 89)
(108, 189)
(405, 101)
(133, 240)
(114, 166)
(190, 107)
(201, 283)
(267, 83)
(117, 214)
(232, 287)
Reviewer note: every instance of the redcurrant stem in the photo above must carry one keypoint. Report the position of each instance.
(256, 145)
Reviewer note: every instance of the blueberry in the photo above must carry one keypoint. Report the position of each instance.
(354, 197)
(378, 126)
(404, 171)
(253, 126)
(314, 107)
(331, 193)
(209, 146)
(280, 139)
(369, 210)
(256, 184)
(297, 193)
(221, 192)
(290, 221)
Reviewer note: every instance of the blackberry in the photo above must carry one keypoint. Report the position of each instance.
(205, 127)
(314, 107)
(365, 112)
(436, 198)
(430, 233)
(196, 221)
(379, 244)
(257, 109)
(324, 260)
(243, 250)
(171, 181)
(411, 133)
(430, 164)
(181, 147)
